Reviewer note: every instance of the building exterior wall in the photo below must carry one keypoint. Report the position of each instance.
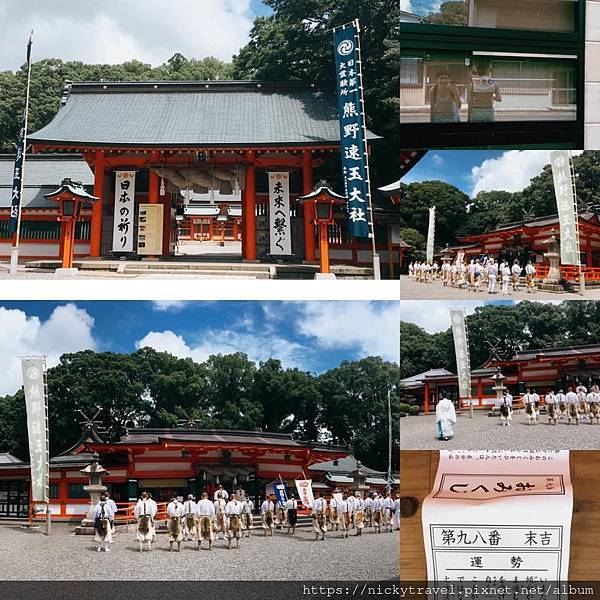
(537, 15)
(592, 75)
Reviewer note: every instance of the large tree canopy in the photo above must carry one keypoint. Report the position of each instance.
(148, 388)
(508, 328)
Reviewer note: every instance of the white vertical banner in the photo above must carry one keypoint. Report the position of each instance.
(461, 350)
(431, 235)
(279, 213)
(566, 204)
(305, 491)
(124, 218)
(36, 403)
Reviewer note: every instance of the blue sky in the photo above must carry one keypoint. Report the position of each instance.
(113, 31)
(473, 171)
(312, 336)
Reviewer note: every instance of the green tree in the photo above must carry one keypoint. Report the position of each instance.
(295, 43)
(413, 237)
(355, 407)
(453, 12)
(451, 209)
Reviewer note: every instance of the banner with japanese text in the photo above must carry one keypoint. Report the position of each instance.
(36, 403)
(565, 202)
(461, 350)
(279, 213)
(353, 130)
(305, 492)
(17, 187)
(280, 493)
(431, 235)
(124, 218)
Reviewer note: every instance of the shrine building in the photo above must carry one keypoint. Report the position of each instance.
(183, 461)
(201, 153)
(528, 241)
(543, 369)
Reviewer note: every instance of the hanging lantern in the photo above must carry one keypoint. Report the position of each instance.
(163, 187)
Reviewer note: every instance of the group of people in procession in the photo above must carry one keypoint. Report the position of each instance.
(231, 517)
(577, 403)
(476, 275)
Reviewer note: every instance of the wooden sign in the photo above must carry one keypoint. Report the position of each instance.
(150, 229)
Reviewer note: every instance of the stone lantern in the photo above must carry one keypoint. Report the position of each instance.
(553, 256)
(499, 386)
(95, 471)
(447, 255)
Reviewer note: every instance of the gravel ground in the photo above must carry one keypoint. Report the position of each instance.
(486, 433)
(65, 556)
(413, 290)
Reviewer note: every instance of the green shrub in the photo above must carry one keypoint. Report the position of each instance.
(403, 408)
(414, 411)
(402, 414)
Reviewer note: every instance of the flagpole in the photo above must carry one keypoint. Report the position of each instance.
(14, 253)
(389, 481)
(376, 259)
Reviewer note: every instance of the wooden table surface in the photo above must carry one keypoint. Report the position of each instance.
(417, 474)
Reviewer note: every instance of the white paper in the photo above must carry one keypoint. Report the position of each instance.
(124, 217)
(499, 514)
(279, 213)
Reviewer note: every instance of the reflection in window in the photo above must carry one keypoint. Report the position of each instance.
(454, 87)
(534, 15)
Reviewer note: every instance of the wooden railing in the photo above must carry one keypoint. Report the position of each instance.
(570, 273)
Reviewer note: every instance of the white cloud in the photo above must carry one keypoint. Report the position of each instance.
(169, 305)
(433, 315)
(405, 5)
(511, 172)
(370, 327)
(258, 347)
(68, 329)
(437, 159)
(112, 31)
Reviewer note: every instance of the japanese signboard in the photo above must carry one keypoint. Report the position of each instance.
(499, 515)
(124, 219)
(36, 403)
(352, 130)
(305, 492)
(431, 235)
(566, 204)
(279, 214)
(461, 350)
(150, 229)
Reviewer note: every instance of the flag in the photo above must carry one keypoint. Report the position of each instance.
(431, 235)
(36, 402)
(461, 349)
(305, 492)
(17, 187)
(566, 203)
(280, 492)
(353, 132)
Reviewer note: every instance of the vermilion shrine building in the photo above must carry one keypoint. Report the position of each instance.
(528, 240)
(182, 461)
(208, 136)
(542, 369)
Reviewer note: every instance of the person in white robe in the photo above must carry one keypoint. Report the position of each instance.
(267, 510)
(445, 418)
(103, 514)
(205, 512)
(189, 518)
(144, 513)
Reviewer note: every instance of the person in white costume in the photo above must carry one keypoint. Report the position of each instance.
(445, 418)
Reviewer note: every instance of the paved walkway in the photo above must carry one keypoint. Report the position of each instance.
(434, 290)
(65, 556)
(486, 433)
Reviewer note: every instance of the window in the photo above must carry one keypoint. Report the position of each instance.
(455, 87)
(53, 491)
(75, 490)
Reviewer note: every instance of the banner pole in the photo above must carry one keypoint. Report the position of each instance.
(376, 258)
(14, 253)
(389, 481)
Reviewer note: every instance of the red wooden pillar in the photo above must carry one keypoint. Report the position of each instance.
(588, 251)
(96, 230)
(309, 228)
(426, 403)
(167, 224)
(243, 224)
(249, 210)
(211, 230)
